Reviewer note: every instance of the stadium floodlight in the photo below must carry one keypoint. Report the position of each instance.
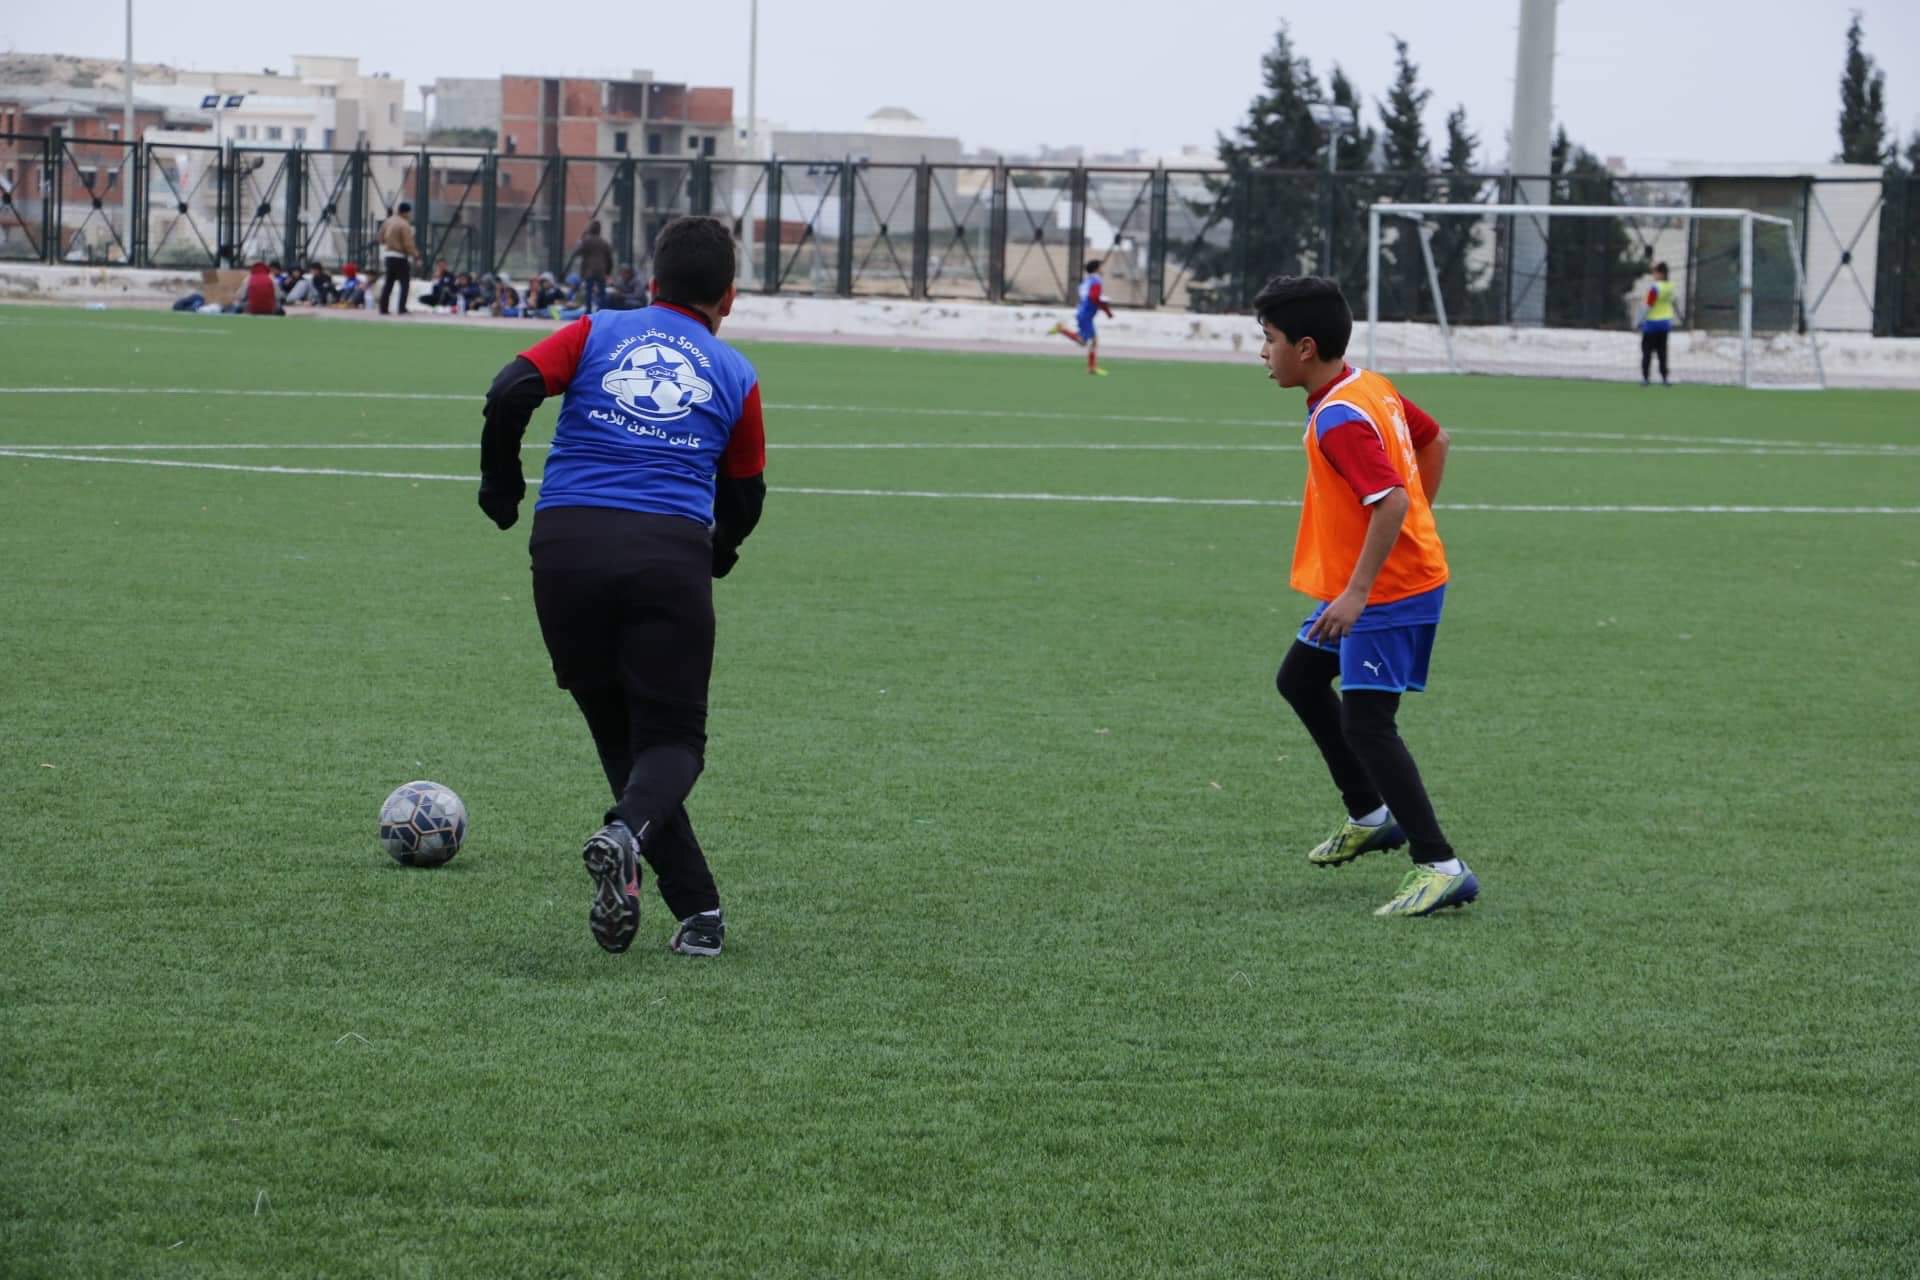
(210, 102)
(1336, 120)
(1745, 319)
(234, 100)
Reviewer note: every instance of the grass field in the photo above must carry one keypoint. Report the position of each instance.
(1026, 974)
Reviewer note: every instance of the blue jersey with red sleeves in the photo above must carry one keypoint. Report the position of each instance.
(656, 406)
(1090, 300)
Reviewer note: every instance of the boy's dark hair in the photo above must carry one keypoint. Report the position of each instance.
(1092, 265)
(1661, 267)
(693, 260)
(1307, 307)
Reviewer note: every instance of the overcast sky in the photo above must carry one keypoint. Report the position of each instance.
(1687, 80)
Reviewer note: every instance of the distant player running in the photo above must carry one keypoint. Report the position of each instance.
(1656, 325)
(1083, 333)
(1369, 552)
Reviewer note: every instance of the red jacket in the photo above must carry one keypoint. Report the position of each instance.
(263, 299)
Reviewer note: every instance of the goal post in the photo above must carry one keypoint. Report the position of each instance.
(1454, 302)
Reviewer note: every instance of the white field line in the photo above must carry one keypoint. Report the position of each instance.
(1095, 498)
(990, 446)
(925, 411)
(120, 327)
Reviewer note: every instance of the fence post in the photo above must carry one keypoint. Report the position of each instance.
(771, 279)
(1243, 232)
(848, 176)
(56, 206)
(135, 194)
(357, 168)
(1157, 240)
(227, 202)
(489, 215)
(997, 236)
(1076, 229)
(422, 191)
(623, 185)
(922, 230)
(294, 247)
(557, 216)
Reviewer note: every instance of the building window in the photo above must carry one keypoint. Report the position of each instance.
(300, 134)
(326, 139)
(651, 193)
(653, 144)
(393, 113)
(273, 133)
(620, 141)
(693, 144)
(706, 146)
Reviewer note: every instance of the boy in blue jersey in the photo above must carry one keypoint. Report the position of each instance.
(654, 479)
(1083, 333)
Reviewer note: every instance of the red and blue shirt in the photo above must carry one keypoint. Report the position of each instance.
(656, 406)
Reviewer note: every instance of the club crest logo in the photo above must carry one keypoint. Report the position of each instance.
(657, 383)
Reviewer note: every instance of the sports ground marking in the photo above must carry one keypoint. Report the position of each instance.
(993, 446)
(1036, 415)
(981, 496)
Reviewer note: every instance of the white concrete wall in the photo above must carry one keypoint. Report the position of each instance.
(1852, 360)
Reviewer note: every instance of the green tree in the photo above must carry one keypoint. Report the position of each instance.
(1345, 200)
(1591, 262)
(1404, 148)
(1271, 215)
(1454, 238)
(1863, 106)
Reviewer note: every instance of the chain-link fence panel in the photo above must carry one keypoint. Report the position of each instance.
(960, 222)
(1198, 242)
(182, 201)
(93, 216)
(26, 182)
(1118, 225)
(1040, 227)
(885, 229)
(808, 200)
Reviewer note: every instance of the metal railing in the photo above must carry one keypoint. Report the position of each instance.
(1192, 240)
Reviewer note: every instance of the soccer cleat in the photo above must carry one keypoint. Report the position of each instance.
(1098, 373)
(701, 935)
(612, 856)
(1426, 891)
(1350, 839)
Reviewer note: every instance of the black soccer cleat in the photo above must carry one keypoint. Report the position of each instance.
(701, 935)
(612, 856)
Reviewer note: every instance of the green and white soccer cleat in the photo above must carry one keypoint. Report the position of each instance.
(1426, 891)
(1350, 839)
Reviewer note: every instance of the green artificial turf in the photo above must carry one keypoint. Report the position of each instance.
(1026, 973)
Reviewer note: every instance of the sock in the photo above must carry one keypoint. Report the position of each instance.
(1090, 359)
(1374, 819)
(1450, 867)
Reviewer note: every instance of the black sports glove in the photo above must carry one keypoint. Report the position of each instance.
(724, 558)
(500, 499)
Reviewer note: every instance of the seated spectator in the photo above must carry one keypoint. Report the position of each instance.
(315, 288)
(543, 295)
(625, 292)
(466, 292)
(353, 287)
(507, 301)
(259, 296)
(440, 293)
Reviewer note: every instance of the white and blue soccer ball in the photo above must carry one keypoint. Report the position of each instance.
(657, 383)
(422, 824)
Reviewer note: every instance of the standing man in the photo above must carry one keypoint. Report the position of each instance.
(1369, 552)
(596, 264)
(654, 479)
(1655, 326)
(398, 251)
(1083, 333)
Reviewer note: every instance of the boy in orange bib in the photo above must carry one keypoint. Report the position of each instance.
(1369, 552)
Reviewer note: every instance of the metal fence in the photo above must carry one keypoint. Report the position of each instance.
(1192, 240)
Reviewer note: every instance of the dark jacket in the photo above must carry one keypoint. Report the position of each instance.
(596, 257)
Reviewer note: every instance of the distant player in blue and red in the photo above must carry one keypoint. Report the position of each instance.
(1083, 333)
(1369, 552)
(654, 479)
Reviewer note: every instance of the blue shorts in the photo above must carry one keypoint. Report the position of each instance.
(1391, 655)
(1084, 321)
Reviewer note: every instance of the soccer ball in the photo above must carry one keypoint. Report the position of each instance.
(422, 824)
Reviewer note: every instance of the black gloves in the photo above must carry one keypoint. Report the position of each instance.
(500, 499)
(724, 558)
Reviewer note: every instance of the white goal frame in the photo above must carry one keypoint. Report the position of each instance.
(1422, 216)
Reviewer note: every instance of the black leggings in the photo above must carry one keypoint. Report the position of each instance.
(1361, 744)
(398, 271)
(625, 602)
(1653, 343)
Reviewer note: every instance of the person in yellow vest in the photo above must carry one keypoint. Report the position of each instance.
(1656, 325)
(1369, 552)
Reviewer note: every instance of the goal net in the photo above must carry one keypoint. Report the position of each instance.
(1561, 290)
